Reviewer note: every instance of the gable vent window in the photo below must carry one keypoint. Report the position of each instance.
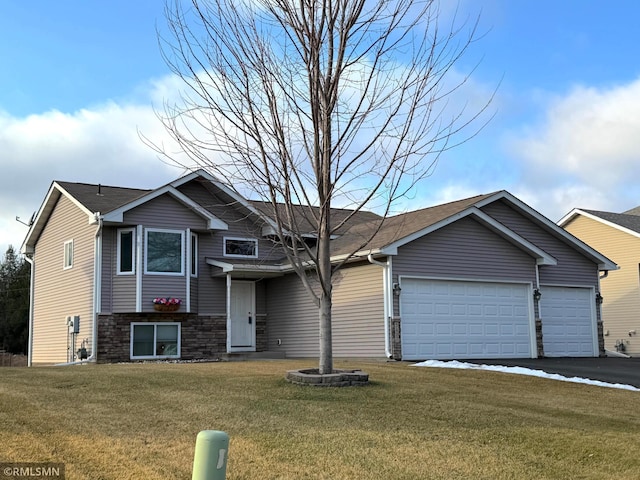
(164, 252)
(241, 247)
(68, 254)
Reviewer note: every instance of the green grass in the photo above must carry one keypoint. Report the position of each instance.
(141, 421)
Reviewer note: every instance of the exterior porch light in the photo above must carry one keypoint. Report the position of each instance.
(396, 289)
(537, 295)
(599, 298)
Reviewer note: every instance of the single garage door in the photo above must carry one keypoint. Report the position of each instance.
(568, 323)
(447, 319)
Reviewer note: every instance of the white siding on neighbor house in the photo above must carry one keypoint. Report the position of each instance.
(357, 315)
(63, 292)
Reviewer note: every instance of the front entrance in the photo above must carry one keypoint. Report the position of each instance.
(242, 317)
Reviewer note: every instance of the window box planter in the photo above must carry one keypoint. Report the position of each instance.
(166, 308)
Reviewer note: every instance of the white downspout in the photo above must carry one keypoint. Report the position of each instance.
(388, 298)
(97, 288)
(188, 272)
(32, 262)
(139, 268)
(228, 312)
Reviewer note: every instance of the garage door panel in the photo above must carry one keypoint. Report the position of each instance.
(469, 320)
(568, 322)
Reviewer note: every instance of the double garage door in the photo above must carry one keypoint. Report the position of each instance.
(449, 319)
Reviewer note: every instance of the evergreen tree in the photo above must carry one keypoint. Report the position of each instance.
(14, 302)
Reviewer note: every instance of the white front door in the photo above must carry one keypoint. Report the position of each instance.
(242, 316)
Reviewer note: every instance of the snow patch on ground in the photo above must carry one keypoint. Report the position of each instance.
(522, 371)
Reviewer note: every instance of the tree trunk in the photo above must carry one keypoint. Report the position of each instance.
(326, 354)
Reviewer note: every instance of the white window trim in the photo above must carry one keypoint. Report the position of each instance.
(146, 251)
(194, 254)
(67, 258)
(155, 334)
(133, 251)
(224, 247)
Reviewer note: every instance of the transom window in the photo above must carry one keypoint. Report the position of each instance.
(164, 252)
(155, 340)
(240, 247)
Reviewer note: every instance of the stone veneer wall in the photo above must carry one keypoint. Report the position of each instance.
(261, 333)
(539, 344)
(396, 339)
(601, 350)
(202, 336)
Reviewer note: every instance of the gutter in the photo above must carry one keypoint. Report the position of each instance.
(32, 262)
(388, 298)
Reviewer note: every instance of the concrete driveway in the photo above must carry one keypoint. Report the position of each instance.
(608, 369)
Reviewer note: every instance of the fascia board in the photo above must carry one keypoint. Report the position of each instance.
(214, 223)
(576, 211)
(42, 217)
(603, 262)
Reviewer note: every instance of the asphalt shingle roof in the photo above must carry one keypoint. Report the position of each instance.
(102, 198)
(354, 234)
(632, 222)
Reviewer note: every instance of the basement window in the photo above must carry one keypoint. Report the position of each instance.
(155, 340)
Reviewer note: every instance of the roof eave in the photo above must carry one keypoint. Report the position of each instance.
(45, 210)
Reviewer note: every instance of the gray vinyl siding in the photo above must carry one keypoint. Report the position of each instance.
(241, 224)
(464, 250)
(212, 291)
(109, 245)
(358, 312)
(59, 292)
(357, 315)
(573, 268)
(293, 318)
(164, 212)
(163, 286)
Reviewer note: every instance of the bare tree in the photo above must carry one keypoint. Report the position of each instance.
(315, 103)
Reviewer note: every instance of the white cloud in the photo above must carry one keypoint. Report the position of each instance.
(584, 153)
(94, 145)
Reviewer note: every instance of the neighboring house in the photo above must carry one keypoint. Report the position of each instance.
(484, 277)
(616, 235)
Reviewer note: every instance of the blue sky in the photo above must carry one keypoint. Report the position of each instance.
(79, 80)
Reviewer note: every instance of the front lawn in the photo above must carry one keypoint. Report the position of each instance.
(140, 422)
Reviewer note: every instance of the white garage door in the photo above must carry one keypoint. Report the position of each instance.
(568, 323)
(445, 319)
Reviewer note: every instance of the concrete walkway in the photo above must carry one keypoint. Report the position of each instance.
(608, 369)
